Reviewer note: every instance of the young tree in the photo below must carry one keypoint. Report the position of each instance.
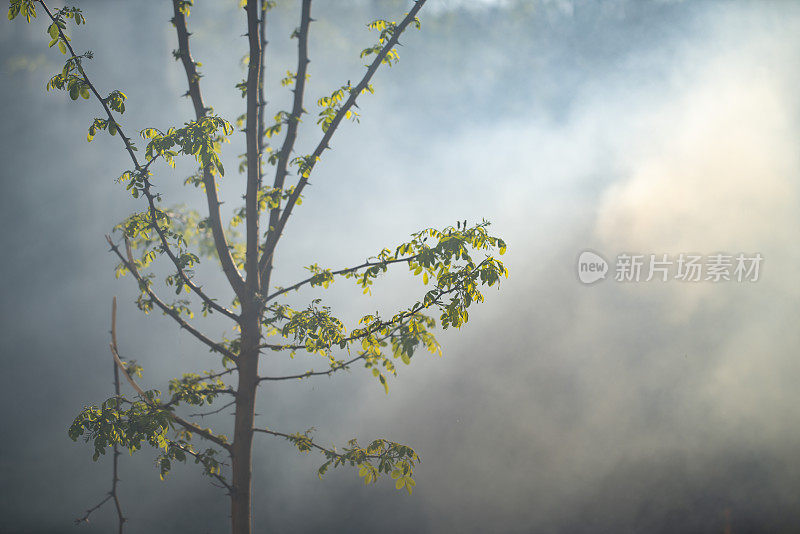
(262, 321)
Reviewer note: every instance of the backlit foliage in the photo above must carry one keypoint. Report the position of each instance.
(161, 247)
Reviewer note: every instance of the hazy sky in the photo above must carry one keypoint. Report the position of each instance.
(620, 126)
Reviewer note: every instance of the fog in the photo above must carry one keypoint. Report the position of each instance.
(624, 126)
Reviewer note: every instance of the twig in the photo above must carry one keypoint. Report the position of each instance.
(205, 414)
(85, 518)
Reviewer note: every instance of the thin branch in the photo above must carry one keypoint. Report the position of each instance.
(206, 414)
(366, 264)
(212, 375)
(115, 459)
(307, 374)
(125, 139)
(290, 437)
(144, 284)
(285, 153)
(176, 398)
(144, 172)
(414, 310)
(275, 234)
(253, 154)
(262, 77)
(311, 443)
(85, 517)
(186, 280)
(333, 369)
(115, 475)
(362, 333)
(193, 77)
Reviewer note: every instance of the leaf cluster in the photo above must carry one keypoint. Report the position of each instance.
(381, 456)
(196, 138)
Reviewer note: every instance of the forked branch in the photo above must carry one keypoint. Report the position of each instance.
(275, 234)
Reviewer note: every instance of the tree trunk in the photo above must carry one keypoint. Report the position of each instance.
(241, 453)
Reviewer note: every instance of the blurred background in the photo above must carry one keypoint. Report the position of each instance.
(660, 127)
